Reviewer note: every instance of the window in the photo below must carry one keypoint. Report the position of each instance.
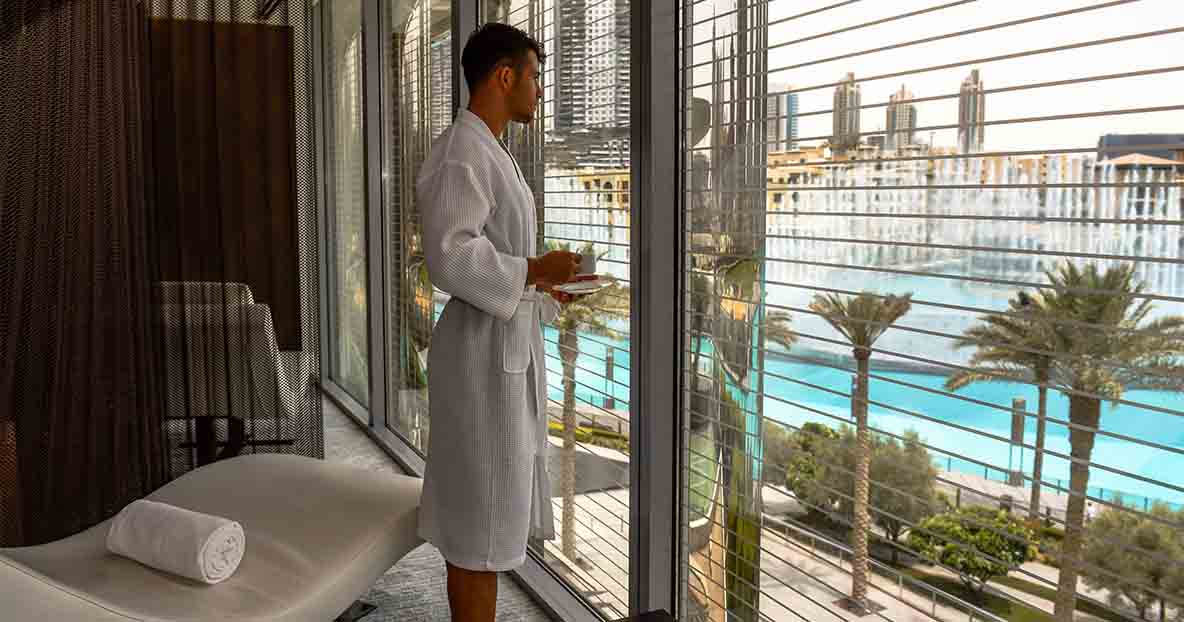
(987, 216)
(418, 95)
(349, 296)
(576, 158)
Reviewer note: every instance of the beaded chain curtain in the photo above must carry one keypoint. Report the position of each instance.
(158, 249)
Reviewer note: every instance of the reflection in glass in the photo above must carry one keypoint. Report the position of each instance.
(348, 298)
(418, 107)
(976, 232)
(576, 158)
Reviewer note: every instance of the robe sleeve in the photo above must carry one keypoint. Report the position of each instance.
(460, 259)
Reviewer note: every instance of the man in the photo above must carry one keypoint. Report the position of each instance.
(486, 488)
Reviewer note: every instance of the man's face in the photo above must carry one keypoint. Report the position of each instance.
(526, 91)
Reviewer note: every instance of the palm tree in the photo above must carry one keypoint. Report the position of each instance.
(589, 315)
(861, 320)
(1013, 347)
(1104, 342)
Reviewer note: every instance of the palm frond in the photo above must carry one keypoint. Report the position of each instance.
(864, 318)
(1088, 303)
(965, 378)
(778, 328)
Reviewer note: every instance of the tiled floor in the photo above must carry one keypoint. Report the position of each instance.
(413, 590)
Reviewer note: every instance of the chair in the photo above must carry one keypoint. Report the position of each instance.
(204, 292)
(296, 365)
(318, 535)
(222, 362)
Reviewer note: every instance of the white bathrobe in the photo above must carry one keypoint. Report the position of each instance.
(486, 487)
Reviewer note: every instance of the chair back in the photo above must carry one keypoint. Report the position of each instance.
(222, 360)
(204, 293)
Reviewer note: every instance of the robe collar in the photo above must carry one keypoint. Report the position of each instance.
(478, 125)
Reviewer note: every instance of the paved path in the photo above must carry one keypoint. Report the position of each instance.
(794, 581)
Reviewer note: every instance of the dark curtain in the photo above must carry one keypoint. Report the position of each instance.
(158, 249)
(80, 426)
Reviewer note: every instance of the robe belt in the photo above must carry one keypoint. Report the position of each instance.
(542, 520)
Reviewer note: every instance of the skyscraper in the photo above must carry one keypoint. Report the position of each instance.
(902, 119)
(781, 112)
(440, 85)
(971, 114)
(592, 47)
(846, 115)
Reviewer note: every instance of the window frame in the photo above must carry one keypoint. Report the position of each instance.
(657, 501)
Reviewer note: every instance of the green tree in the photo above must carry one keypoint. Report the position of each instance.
(779, 451)
(1124, 553)
(802, 468)
(588, 314)
(861, 320)
(978, 543)
(1098, 322)
(1014, 347)
(903, 481)
(904, 486)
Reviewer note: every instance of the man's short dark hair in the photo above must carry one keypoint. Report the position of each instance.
(493, 44)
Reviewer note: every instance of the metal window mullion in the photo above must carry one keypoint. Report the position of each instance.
(376, 249)
(655, 467)
(322, 177)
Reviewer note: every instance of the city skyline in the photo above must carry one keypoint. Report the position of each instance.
(1016, 58)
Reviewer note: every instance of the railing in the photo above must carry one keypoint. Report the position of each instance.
(994, 474)
(841, 551)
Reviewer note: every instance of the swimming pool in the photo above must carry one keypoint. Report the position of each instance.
(933, 414)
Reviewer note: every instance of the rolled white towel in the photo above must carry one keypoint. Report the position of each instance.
(190, 544)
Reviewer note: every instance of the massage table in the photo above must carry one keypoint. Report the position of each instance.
(318, 535)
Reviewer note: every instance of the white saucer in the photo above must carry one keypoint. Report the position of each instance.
(586, 287)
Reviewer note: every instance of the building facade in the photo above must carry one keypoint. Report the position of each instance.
(781, 111)
(592, 49)
(901, 125)
(846, 114)
(1166, 146)
(972, 103)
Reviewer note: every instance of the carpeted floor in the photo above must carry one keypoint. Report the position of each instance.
(414, 590)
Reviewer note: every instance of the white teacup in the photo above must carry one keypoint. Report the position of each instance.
(588, 264)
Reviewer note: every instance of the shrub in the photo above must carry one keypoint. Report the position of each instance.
(976, 542)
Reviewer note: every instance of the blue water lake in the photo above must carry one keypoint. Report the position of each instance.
(934, 415)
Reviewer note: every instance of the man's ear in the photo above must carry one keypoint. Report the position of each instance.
(505, 76)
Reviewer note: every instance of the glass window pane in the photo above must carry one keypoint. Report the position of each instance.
(418, 107)
(344, 141)
(577, 158)
(927, 241)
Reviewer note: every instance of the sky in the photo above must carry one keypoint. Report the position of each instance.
(802, 65)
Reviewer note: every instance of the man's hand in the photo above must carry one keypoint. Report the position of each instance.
(554, 268)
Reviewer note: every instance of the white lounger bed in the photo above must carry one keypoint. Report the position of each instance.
(318, 535)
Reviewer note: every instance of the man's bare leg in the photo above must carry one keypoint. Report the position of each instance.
(472, 595)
